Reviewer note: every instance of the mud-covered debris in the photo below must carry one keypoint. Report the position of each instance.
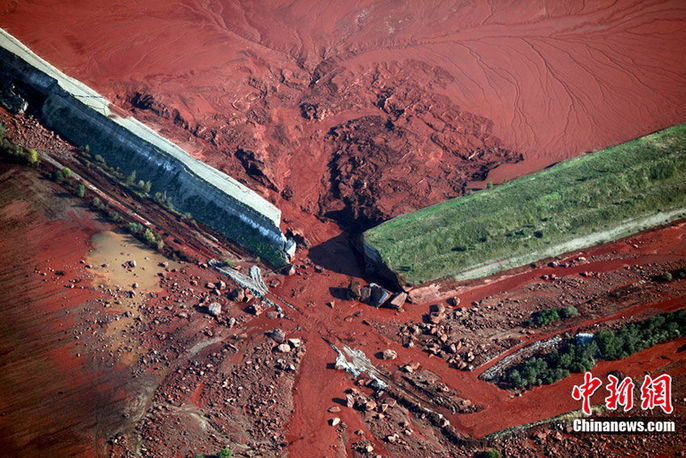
(398, 300)
(283, 348)
(215, 309)
(378, 295)
(389, 354)
(278, 335)
(354, 290)
(365, 294)
(295, 342)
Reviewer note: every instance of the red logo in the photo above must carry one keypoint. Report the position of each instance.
(655, 392)
(620, 395)
(586, 390)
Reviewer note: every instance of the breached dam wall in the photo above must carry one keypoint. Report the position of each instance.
(81, 116)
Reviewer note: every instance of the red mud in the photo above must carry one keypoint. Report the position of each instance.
(254, 89)
(360, 112)
(51, 396)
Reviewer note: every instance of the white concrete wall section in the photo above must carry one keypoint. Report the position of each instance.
(97, 102)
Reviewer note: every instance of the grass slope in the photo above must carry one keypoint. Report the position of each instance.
(538, 215)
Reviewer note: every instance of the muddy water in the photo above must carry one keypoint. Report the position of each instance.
(110, 257)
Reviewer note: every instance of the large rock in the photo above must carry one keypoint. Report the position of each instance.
(278, 335)
(378, 295)
(389, 354)
(215, 309)
(398, 301)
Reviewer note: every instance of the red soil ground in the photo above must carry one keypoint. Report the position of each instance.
(363, 111)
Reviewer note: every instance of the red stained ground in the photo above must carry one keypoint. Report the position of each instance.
(469, 91)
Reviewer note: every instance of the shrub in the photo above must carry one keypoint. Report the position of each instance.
(114, 216)
(667, 276)
(545, 317)
(489, 185)
(57, 175)
(81, 191)
(149, 236)
(225, 453)
(99, 158)
(132, 178)
(569, 312)
(32, 156)
(147, 186)
(135, 228)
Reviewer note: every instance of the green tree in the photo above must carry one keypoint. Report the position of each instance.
(81, 191)
(132, 177)
(66, 172)
(225, 453)
(147, 187)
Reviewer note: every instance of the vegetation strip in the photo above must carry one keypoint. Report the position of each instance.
(577, 203)
(605, 344)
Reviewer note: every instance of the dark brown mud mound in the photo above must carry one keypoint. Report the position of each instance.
(421, 149)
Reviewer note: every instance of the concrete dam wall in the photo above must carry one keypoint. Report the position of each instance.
(81, 116)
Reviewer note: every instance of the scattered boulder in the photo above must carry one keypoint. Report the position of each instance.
(378, 295)
(398, 300)
(365, 294)
(283, 348)
(295, 342)
(278, 335)
(215, 309)
(389, 354)
(334, 421)
(256, 309)
(237, 295)
(354, 290)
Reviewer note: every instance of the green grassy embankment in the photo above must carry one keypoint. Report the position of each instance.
(575, 204)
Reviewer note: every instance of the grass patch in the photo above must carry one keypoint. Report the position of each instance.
(573, 199)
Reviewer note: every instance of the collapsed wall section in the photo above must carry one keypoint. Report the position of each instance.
(81, 116)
